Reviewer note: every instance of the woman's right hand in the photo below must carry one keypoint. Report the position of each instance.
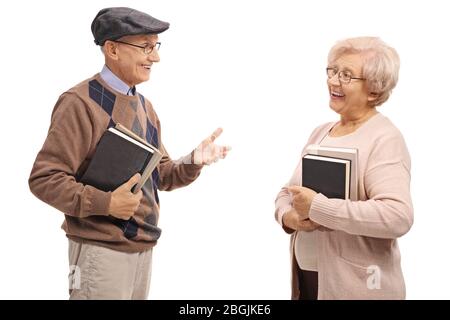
(293, 220)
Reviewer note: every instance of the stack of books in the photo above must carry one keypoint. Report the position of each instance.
(120, 154)
(331, 171)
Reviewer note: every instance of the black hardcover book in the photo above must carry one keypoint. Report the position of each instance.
(119, 156)
(327, 175)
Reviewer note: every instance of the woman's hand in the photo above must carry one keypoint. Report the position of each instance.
(295, 221)
(298, 218)
(301, 200)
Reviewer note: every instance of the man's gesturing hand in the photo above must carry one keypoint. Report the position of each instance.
(208, 152)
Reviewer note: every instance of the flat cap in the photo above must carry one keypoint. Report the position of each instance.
(114, 23)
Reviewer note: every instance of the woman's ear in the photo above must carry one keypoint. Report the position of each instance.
(372, 97)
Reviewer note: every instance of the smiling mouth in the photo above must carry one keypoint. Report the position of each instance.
(336, 94)
(148, 67)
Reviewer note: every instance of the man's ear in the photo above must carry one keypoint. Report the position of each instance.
(110, 50)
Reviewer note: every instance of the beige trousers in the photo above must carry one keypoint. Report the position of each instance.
(101, 273)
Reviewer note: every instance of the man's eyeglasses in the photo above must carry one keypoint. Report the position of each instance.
(344, 76)
(147, 49)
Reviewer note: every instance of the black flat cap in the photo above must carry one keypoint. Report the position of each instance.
(114, 23)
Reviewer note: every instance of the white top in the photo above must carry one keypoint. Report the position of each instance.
(305, 246)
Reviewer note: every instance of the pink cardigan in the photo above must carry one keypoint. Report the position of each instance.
(358, 254)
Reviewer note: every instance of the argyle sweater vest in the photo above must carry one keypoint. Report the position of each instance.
(79, 119)
(134, 116)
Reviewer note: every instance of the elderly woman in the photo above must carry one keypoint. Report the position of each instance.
(344, 249)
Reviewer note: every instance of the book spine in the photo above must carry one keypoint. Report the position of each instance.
(156, 157)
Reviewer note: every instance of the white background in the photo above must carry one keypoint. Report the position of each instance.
(256, 68)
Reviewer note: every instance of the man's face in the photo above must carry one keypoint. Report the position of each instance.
(132, 64)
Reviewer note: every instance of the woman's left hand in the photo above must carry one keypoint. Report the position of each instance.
(302, 198)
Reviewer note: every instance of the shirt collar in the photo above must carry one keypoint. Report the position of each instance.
(116, 83)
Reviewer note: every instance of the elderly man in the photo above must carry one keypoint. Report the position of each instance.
(111, 234)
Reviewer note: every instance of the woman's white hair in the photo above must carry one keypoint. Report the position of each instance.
(381, 64)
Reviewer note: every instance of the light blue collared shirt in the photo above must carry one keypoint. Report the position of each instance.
(116, 83)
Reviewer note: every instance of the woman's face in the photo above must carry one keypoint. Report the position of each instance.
(348, 99)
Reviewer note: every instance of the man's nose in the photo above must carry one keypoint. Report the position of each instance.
(153, 56)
